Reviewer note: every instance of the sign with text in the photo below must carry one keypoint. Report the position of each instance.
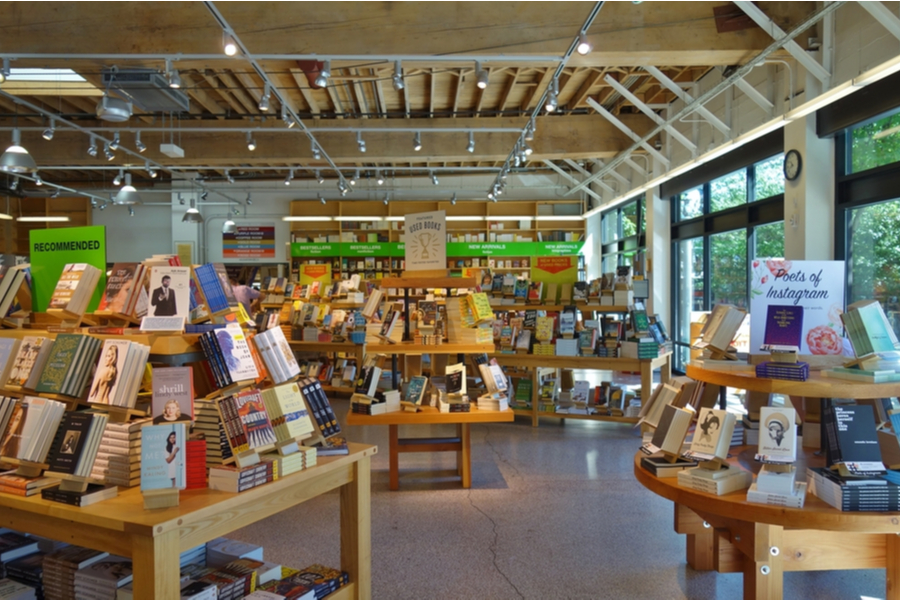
(311, 273)
(453, 249)
(301, 250)
(558, 248)
(816, 286)
(555, 269)
(53, 249)
(249, 241)
(426, 241)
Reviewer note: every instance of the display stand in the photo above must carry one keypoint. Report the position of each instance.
(113, 319)
(161, 498)
(288, 447)
(26, 468)
(230, 389)
(70, 483)
(120, 414)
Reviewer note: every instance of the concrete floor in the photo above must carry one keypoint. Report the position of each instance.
(554, 512)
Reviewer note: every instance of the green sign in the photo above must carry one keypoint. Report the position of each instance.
(357, 249)
(558, 248)
(491, 249)
(308, 250)
(454, 249)
(53, 249)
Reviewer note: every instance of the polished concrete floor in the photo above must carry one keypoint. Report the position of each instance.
(554, 512)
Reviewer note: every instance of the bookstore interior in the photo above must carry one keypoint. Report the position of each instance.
(227, 264)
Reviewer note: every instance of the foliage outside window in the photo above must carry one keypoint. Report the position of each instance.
(769, 177)
(728, 192)
(874, 256)
(769, 240)
(690, 204)
(610, 226)
(629, 219)
(728, 268)
(874, 144)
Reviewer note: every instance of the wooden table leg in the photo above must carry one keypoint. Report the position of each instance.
(393, 456)
(646, 379)
(535, 395)
(464, 457)
(764, 573)
(156, 566)
(356, 529)
(892, 563)
(665, 371)
(700, 552)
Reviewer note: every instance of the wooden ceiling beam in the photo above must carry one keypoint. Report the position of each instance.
(212, 81)
(508, 88)
(201, 95)
(303, 85)
(535, 92)
(238, 92)
(626, 33)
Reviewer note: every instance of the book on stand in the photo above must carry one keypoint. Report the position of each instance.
(851, 440)
(163, 456)
(712, 437)
(172, 394)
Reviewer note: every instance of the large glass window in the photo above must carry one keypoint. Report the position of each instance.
(874, 144)
(690, 204)
(729, 191)
(873, 263)
(768, 177)
(728, 268)
(623, 236)
(769, 240)
(630, 219)
(689, 256)
(610, 225)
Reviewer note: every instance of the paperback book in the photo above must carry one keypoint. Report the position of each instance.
(162, 456)
(173, 395)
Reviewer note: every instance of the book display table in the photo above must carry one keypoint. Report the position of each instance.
(153, 539)
(427, 415)
(643, 366)
(730, 535)
(356, 351)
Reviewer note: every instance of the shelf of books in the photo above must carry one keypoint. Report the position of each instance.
(104, 436)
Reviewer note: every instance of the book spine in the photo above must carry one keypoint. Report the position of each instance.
(210, 360)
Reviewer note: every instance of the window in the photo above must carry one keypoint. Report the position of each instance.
(629, 219)
(610, 226)
(768, 178)
(690, 204)
(728, 192)
(728, 268)
(688, 292)
(874, 144)
(873, 264)
(769, 241)
(623, 236)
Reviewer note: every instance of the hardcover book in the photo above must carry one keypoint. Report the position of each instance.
(851, 442)
(669, 435)
(120, 285)
(868, 328)
(415, 392)
(456, 379)
(235, 353)
(110, 372)
(254, 419)
(481, 308)
(521, 290)
(288, 412)
(162, 456)
(712, 437)
(25, 359)
(173, 395)
(69, 445)
(170, 289)
(778, 435)
(784, 328)
(544, 329)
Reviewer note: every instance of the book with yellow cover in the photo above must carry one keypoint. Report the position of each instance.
(481, 308)
(544, 329)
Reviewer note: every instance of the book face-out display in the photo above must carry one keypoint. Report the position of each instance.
(170, 289)
(777, 434)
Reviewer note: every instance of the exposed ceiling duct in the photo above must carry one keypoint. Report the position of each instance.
(146, 88)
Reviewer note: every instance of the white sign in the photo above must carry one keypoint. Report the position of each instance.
(426, 241)
(816, 285)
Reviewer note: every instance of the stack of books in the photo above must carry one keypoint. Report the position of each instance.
(60, 568)
(68, 365)
(103, 578)
(74, 289)
(15, 590)
(277, 355)
(14, 545)
(10, 483)
(292, 463)
(320, 579)
(221, 551)
(320, 407)
(28, 570)
(118, 459)
(721, 482)
(234, 479)
(642, 348)
(246, 421)
(210, 425)
(228, 356)
(853, 494)
(236, 579)
(798, 371)
(288, 413)
(195, 459)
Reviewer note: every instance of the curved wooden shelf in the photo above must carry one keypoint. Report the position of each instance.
(817, 386)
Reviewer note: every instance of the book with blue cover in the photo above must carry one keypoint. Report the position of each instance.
(784, 328)
(162, 456)
(211, 289)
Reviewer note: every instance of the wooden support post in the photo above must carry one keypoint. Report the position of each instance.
(535, 395)
(464, 456)
(393, 457)
(764, 572)
(892, 564)
(156, 566)
(356, 529)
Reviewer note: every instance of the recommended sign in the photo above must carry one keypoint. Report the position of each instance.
(52, 249)
(249, 241)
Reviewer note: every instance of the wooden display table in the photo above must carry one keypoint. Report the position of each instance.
(461, 444)
(155, 538)
(643, 366)
(730, 535)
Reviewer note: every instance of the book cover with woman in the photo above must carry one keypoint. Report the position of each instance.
(107, 375)
(162, 456)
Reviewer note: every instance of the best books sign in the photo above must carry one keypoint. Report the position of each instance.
(816, 285)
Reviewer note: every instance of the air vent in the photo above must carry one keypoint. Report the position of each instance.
(147, 89)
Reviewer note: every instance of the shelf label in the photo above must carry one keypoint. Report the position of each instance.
(559, 248)
(491, 249)
(454, 249)
(355, 249)
(314, 249)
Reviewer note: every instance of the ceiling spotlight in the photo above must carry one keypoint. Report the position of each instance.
(150, 170)
(360, 141)
(434, 178)
(471, 146)
(119, 177)
(228, 177)
(141, 146)
(229, 226)
(114, 144)
(491, 196)
(354, 177)
(584, 46)
(107, 152)
(16, 158)
(529, 131)
(417, 142)
(14, 184)
(4, 71)
(249, 200)
(264, 101)
(48, 133)
(290, 176)
(481, 76)
(385, 201)
(503, 173)
(127, 195)
(229, 45)
(453, 200)
(527, 149)
(38, 180)
(180, 199)
(316, 153)
(397, 78)
(286, 117)
(552, 97)
(102, 206)
(321, 199)
(324, 74)
(342, 187)
(172, 75)
(92, 149)
(251, 143)
(319, 177)
(204, 195)
(192, 215)
(130, 211)
(378, 177)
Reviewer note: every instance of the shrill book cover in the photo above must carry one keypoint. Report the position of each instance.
(173, 395)
(162, 456)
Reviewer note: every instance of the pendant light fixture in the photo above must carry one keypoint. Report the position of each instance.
(16, 158)
(127, 195)
(192, 215)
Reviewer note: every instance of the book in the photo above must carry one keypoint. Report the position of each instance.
(868, 328)
(170, 289)
(68, 364)
(253, 419)
(415, 391)
(663, 395)
(671, 431)
(712, 437)
(9, 350)
(851, 440)
(233, 354)
(481, 308)
(212, 289)
(778, 435)
(456, 379)
(110, 376)
(75, 448)
(289, 414)
(640, 322)
(333, 446)
(95, 493)
(784, 328)
(74, 288)
(162, 456)
(659, 465)
(24, 360)
(122, 284)
(734, 479)
(721, 327)
(544, 329)
(172, 394)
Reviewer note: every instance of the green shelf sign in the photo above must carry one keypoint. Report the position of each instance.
(559, 248)
(454, 249)
(315, 250)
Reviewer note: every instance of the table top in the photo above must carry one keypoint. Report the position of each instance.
(596, 362)
(126, 513)
(816, 514)
(817, 386)
(410, 348)
(429, 415)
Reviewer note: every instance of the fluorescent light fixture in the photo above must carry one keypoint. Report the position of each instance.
(510, 218)
(465, 218)
(309, 219)
(43, 219)
(34, 74)
(395, 218)
(559, 217)
(358, 219)
(5, 217)
(820, 101)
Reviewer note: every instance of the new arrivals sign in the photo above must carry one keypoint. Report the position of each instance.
(815, 285)
(53, 249)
